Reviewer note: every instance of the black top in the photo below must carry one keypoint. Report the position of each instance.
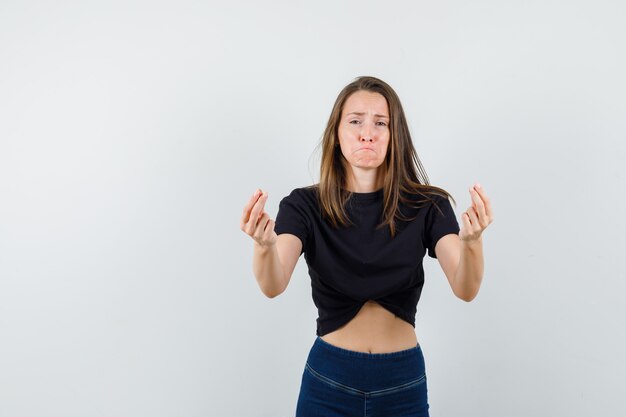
(353, 264)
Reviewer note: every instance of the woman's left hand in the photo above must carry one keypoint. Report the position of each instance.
(477, 217)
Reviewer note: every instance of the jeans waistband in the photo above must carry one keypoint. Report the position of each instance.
(366, 371)
(322, 344)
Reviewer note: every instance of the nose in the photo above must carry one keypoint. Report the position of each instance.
(366, 133)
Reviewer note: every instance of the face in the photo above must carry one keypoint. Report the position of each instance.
(364, 130)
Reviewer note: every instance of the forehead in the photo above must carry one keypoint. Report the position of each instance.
(366, 102)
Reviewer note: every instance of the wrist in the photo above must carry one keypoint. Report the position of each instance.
(472, 243)
(263, 248)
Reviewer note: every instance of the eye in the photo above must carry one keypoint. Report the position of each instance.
(382, 123)
(354, 121)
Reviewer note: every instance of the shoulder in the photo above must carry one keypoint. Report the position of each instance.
(307, 190)
(438, 200)
(441, 206)
(432, 202)
(426, 199)
(305, 194)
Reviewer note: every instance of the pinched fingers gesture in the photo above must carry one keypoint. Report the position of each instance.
(478, 216)
(255, 222)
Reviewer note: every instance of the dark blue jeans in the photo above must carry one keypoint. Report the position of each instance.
(340, 382)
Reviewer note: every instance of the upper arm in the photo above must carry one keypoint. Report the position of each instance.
(293, 227)
(289, 248)
(442, 237)
(448, 250)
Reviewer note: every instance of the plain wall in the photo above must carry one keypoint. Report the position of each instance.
(133, 133)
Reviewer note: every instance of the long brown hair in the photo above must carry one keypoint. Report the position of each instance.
(403, 172)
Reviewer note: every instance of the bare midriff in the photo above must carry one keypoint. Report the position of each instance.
(374, 330)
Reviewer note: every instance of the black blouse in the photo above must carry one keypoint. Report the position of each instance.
(350, 265)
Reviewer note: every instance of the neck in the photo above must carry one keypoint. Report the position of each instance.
(364, 180)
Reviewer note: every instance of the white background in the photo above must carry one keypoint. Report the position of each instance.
(132, 134)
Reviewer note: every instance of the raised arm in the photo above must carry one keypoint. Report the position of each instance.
(461, 257)
(274, 257)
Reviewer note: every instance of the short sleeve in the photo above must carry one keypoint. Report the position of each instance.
(292, 217)
(439, 224)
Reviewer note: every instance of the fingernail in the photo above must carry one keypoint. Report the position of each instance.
(477, 185)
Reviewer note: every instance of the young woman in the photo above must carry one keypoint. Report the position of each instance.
(364, 231)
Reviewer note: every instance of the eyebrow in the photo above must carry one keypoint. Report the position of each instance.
(362, 113)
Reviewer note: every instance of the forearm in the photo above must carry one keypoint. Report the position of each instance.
(268, 270)
(469, 274)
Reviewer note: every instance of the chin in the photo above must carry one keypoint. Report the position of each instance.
(370, 166)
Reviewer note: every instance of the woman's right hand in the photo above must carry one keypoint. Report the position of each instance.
(256, 223)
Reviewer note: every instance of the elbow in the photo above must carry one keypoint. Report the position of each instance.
(467, 297)
(466, 292)
(271, 288)
(275, 289)
(272, 293)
